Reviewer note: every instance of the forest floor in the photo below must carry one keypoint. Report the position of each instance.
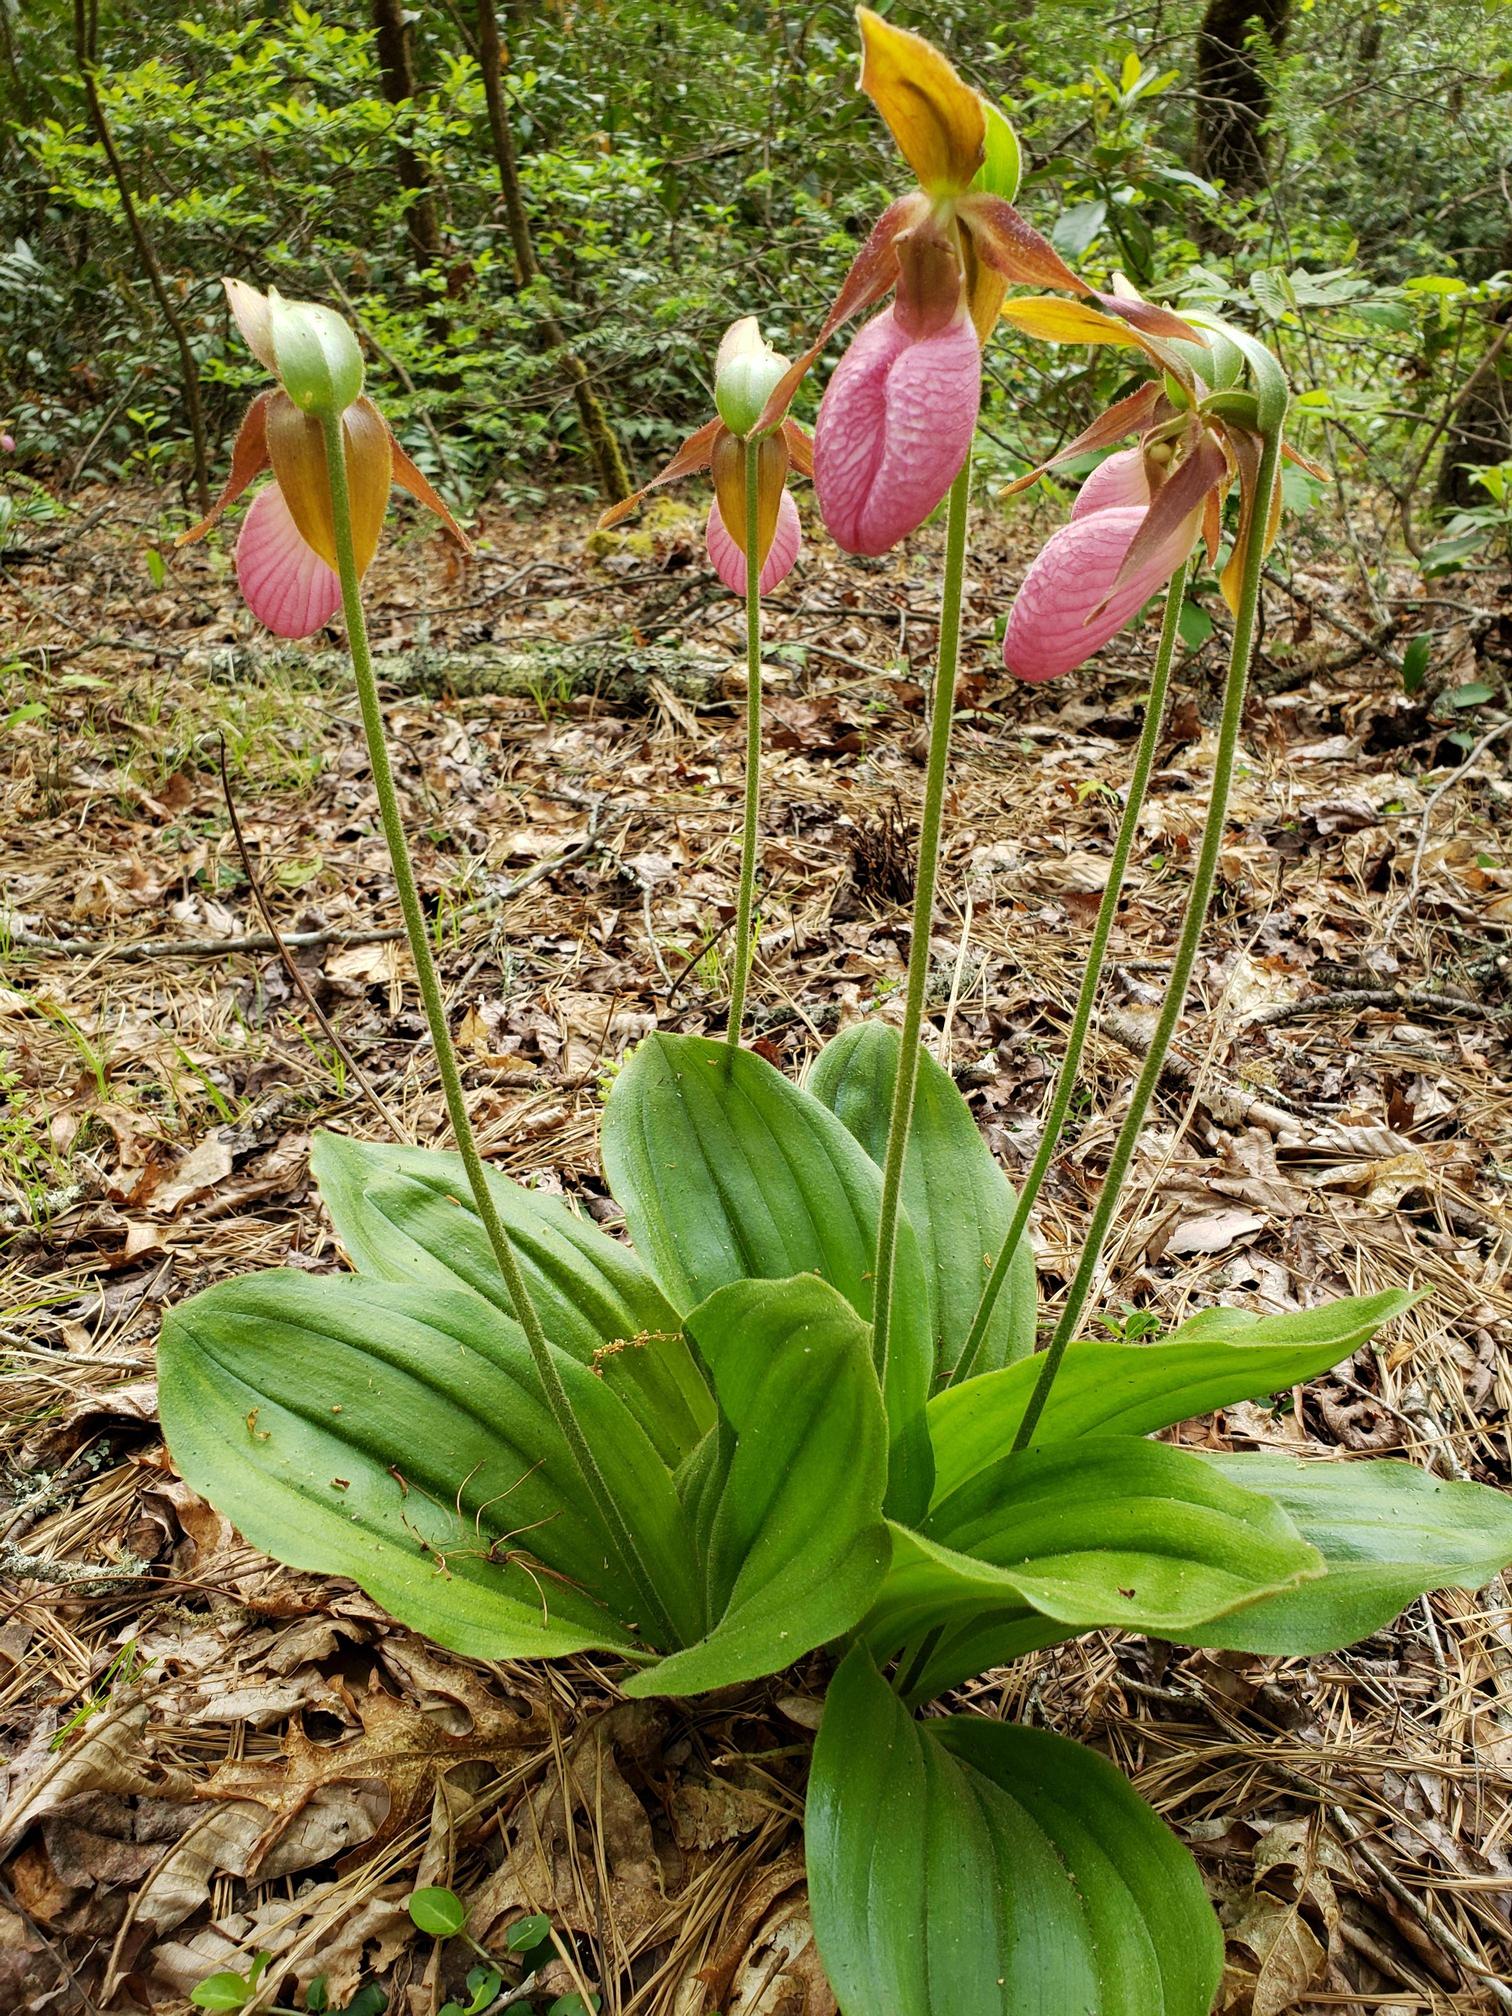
(210, 1755)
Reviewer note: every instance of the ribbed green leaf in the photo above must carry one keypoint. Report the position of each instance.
(958, 1200)
(406, 1214)
(1214, 1359)
(1388, 1532)
(397, 1434)
(727, 1172)
(791, 1532)
(1110, 1530)
(961, 1867)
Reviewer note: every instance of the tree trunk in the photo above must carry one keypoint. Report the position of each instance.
(1233, 94)
(84, 49)
(397, 69)
(614, 479)
(1479, 434)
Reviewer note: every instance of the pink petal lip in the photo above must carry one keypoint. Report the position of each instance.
(288, 588)
(730, 562)
(1120, 479)
(894, 427)
(1051, 628)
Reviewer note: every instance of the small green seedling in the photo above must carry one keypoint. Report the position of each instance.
(228, 1990)
(483, 1985)
(442, 1913)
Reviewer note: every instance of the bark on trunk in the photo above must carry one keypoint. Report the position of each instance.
(1233, 94)
(397, 68)
(614, 479)
(84, 49)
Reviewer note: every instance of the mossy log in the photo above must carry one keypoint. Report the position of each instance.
(546, 672)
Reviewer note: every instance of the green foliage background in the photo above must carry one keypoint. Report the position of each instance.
(683, 163)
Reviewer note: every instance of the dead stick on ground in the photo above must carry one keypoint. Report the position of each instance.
(332, 1033)
(1346, 998)
(1429, 1919)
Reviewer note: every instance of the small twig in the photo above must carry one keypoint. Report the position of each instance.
(656, 951)
(19, 1566)
(1424, 1913)
(1377, 646)
(696, 954)
(1230, 1105)
(1409, 898)
(332, 1033)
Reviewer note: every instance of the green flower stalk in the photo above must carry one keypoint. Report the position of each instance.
(1081, 1019)
(749, 451)
(1255, 532)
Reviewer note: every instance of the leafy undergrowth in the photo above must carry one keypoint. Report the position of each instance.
(211, 1757)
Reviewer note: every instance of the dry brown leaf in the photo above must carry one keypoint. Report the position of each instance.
(320, 1799)
(107, 1756)
(1284, 1926)
(553, 1861)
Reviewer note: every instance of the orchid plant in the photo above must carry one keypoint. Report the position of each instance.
(802, 1407)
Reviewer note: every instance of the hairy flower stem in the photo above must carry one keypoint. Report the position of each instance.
(749, 833)
(446, 1057)
(1203, 876)
(1081, 1020)
(943, 708)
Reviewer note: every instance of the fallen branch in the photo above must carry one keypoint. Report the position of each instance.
(1345, 998)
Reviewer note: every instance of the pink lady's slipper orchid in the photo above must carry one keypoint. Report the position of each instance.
(1142, 510)
(746, 368)
(897, 417)
(286, 551)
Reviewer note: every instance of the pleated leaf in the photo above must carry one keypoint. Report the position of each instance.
(728, 1172)
(407, 1214)
(398, 1434)
(790, 1530)
(961, 1867)
(1110, 1531)
(958, 1200)
(1388, 1533)
(1212, 1360)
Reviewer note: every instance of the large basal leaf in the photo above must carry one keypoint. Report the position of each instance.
(1214, 1359)
(962, 1867)
(406, 1214)
(398, 1434)
(727, 1172)
(1110, 1530)
(1388, 1532)
(958, 1201)
(791, 1533)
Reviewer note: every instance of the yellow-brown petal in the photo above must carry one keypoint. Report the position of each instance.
(248, 459)
(689, 459)
(1053, 320)
(414, 480)
(297, 448)
(873, 273)
(936, 119)
(800, 447)
(727, 466)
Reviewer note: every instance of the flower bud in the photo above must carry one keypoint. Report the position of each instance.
(747, 371)
(316, 355)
